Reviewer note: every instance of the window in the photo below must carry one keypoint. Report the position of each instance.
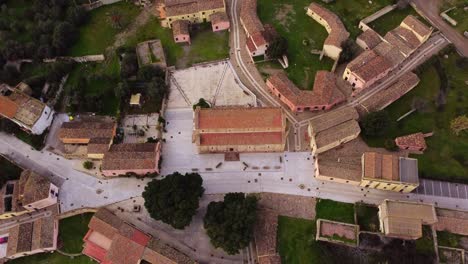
(203, 13)
(216, 27)
(176, 39)
(170, 19)
(346, 78)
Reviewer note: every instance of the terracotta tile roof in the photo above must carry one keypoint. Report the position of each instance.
(417, 26)
(185, 7)
(130, 156)
(239, 118)
(31, 236)
(415, 140)
(258, 39)
(94, 251)
(98, 145)
(87, 129)
(381, 166)
(370, 38)
(32, 187)
(337, 133)
(392, 93)
(124, 250)
(250, 45)
(253, 138)
(8, 108)
(219, 17)
(338, 32)
(389, 52)
(249, 18)
(368, 65)
(332, 119)
(324, 91)
(180, 27)
(158, 252)
(405, 43)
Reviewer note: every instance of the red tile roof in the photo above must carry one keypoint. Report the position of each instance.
(417, 26)
(184, 7)
(338, 32)
(261, 138)
(324, 91)
(368, 65)
(8, 108)
(94, 251)
(370, 38)
(239, 118)
(180, 27)
(249, 18)
(130, 156)
(415, 140)
(381, 166)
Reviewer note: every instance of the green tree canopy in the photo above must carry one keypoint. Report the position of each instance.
(277, 48)
(174, 199)
(230, 223)
(202, 103)
(376, 123)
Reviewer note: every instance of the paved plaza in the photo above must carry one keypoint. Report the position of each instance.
(215, 82)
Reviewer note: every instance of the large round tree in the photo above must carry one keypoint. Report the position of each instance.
(229, 223)
(174, 199)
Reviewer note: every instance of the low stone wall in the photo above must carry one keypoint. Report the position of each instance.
(77, 212)
(346, 234)
(363, 23)
(87, 58)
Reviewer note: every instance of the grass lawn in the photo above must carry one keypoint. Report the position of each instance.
(447, 155)
(208, 45)
(71, 233)
(335, 211)
(447, 239)
(425, 245)
(296, 241)
(391, 20)
(457, 13)
(290, 20)
(101, 86)
(351, 12)
(367, 217)
(153, 30)
(99, 32)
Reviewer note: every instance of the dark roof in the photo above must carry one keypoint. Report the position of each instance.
(87, 129)
(32, 187)
(409, 170)
(130, 156)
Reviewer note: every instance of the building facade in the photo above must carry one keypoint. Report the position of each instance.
(389, 172)
(335, 28)
(324, 95)
(135, 158)
(30, 114)
(239, 129)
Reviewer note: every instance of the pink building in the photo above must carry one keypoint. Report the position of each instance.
(135, 158)
(219, 21)
(412, 142)
(324, 95)
(180, 30)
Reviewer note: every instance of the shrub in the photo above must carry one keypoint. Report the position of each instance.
(88, 165)
(376, 123)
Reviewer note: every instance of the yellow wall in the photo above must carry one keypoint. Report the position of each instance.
(197, 17)
(13, 214)
(388, 185)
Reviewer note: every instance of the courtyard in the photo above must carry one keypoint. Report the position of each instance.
(216, 82)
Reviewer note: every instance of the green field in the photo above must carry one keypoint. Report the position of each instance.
(367, 217)
(99, 32)
(392, 20)
(290, 20)
(425, 244)
(208, 45)
(457, 13)
(71, 233)
(447, 239)
(296, 241)
(335, 211)
(447, 155)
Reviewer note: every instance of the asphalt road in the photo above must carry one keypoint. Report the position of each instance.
(430, 10)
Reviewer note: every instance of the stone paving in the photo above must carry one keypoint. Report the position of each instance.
(216, 82)
(149, 124)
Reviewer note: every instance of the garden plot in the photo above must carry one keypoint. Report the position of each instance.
(138, 128)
